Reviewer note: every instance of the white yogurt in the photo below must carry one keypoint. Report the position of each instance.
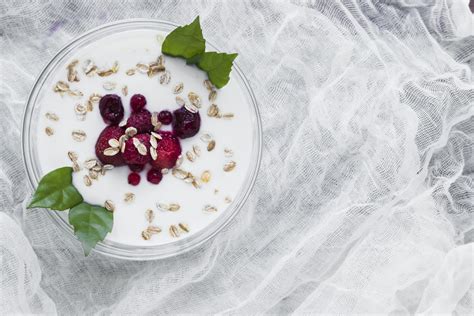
(129, 48)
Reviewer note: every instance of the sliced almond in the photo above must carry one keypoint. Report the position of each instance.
(154, 229)
(212, 95)
(153, 141)
(149, 215)
(179, 173)
(209, 208)
(154, 119)
(109, 206)
(49, 131)
(211, 145)
(153, 153)
(174, 207)
(229, 166)
(208, 84)
(184, 227)
(191, 108)
(197, 150)
(194, 99)
(72, 156)
(206, 176)
(90, 163)
(142, 150)
(174, 232)
(79, 135)
(196, 183)
(114, 143)
(94, 175)
(76, 167)
(87, 181)
(228, 152)
(143, 68)
(61, 86)
(165, 78)
(131, 131)
(156, 135)
(213, 110)
(107, 167)
(146, 234)
(89, 67)
(111, 151)
(178, 88)
(52, 116)
(191, 157)
(206, 138)
(129, 197)
(109, 85)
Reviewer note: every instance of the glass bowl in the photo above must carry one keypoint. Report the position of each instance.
(110, 248)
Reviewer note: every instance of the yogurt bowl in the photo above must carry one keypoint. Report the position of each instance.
(224, 157)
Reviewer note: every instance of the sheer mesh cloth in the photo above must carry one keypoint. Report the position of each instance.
(365, 198)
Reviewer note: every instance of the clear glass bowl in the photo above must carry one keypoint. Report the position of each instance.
(109, 248)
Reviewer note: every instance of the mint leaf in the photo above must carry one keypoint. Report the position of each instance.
(185, 41)
(218, 67)
(91, 224)
(55, 191)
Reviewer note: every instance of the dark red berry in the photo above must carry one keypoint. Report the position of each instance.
(154, 176)
(168, 151)
(110, 132)
(137, 102)
(111, 109)
(136, 168)
(141, 121)
(185, 123)
(131, 155)
(134, 178)
(165, 117)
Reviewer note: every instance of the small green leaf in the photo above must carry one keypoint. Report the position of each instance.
(194, 60)
(91, 224)
(218, 67)
(55, 191)
(185, 41)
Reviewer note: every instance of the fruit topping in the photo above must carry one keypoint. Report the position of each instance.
(111, 109)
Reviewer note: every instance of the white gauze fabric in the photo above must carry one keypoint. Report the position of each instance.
(365, 198)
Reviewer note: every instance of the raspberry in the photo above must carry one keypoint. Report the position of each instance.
(103, 143)
(131, 155)
(185, 123)
(134, 178)
(154, 176)
(111, 109)
(141, 121)
(165, 117)
(136, 168)
(137, 102)
(168, 151)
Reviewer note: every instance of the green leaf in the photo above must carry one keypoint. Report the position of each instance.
(185, 41)
(194, 60)
(218, 67)
(91, 224)
(55, 191)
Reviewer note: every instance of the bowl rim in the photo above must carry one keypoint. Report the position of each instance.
(110, 248)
